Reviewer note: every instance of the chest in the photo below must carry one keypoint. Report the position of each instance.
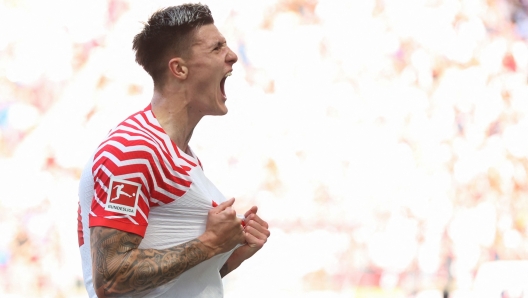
(185, 218)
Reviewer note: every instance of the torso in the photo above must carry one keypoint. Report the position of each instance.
(173, 200)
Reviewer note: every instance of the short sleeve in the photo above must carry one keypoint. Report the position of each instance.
(122, 183)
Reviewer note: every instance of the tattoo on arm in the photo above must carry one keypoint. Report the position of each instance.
(120, 267)
(224, 270)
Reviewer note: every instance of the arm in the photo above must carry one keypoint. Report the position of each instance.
(119, 267)
(256, 234)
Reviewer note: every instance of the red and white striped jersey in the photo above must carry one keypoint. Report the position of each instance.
(140, 182)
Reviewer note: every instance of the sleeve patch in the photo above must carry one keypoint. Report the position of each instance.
(123, 197)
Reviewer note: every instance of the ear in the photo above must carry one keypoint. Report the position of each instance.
(178, 68)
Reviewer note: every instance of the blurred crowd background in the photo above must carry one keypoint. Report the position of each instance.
(385, 141)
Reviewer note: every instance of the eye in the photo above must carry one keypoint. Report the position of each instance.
(219, 46)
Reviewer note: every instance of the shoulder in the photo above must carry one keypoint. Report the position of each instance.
(135, 137)
(131, 146)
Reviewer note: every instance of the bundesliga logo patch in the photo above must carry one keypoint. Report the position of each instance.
(123, 196)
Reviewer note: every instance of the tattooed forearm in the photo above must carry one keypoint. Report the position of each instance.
(224, 270)
(120, 267)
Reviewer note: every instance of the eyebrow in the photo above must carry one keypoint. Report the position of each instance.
(218, 43)
(211, 45)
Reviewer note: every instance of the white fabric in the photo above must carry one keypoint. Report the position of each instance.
(168, 225)
(86, 190)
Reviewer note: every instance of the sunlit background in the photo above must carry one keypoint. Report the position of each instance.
(384, 141)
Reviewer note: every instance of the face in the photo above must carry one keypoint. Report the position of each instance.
(210, 63)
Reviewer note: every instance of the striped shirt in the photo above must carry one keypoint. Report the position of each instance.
(140, 182)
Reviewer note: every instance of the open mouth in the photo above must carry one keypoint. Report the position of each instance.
(222, 84)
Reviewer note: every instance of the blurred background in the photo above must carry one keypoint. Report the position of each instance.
(384, 141)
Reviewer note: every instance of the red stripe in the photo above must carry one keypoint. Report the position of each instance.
(174, 146)
(127, 143)
(147, 130)
(181, 157)
(161, 130)
(80, 235)
(140, 168)
(120, 224)
(152, 127)
(163, 168)
(150, 156)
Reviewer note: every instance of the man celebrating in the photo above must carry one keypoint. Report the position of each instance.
(177, 235)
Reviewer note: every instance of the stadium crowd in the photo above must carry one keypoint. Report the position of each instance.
(384, 141)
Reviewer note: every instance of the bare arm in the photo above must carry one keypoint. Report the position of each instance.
(224, 270)
(256, 234)
(120, 267)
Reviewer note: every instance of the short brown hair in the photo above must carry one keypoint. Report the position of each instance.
(168, 32)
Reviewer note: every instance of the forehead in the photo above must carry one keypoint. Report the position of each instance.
(207, 35)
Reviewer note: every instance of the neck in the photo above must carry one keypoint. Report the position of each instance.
(175, 116)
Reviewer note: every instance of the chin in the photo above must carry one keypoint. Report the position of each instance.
(219, 112)
(223, 110)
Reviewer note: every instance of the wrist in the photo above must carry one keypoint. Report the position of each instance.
(206, 239)
(238, 256)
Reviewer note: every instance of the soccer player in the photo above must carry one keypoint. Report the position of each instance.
(150, 223)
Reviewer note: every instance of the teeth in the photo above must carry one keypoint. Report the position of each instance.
(228, 74)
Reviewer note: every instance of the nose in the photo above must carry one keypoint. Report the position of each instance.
(231, 57)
